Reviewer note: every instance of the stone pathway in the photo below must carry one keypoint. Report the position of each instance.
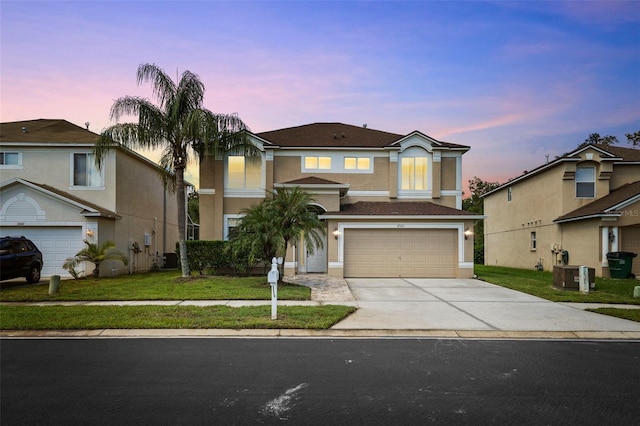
(323, 287)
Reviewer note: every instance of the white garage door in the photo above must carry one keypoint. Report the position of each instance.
(55, 243)
(427, 253)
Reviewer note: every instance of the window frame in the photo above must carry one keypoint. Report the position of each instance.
(534, 241)
(307, 166)
(17, 165)
(579, 180)
(509, 194)
(256, 176)
(413, 182)
(90, 163)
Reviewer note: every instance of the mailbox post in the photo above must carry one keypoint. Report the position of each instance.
(272, 278)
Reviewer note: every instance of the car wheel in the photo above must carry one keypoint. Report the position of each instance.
(34, 274)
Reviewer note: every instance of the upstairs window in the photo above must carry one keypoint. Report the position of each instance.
(9, 158)
(317, 163)
(85, 172)
(509, 194)
(244, 172)
(414, 174)
(357, 163)
(586, 182)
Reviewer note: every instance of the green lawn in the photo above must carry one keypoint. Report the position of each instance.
(540, 283)
(173, 317)
(156, 286)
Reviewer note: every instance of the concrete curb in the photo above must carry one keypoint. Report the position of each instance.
(331, 333)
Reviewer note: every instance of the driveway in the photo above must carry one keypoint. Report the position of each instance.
(465, 304)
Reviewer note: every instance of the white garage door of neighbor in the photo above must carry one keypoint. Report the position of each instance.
(411, 253)
(55, 243)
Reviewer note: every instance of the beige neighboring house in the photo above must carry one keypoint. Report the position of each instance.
(391, 203)
(52, 193)
(584, 204)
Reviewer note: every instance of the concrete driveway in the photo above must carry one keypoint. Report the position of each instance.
(466, 304)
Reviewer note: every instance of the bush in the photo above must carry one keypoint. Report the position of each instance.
(203, 255)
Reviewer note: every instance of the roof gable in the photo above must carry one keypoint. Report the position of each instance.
(616, 154)
(607, 205)
(89, 209)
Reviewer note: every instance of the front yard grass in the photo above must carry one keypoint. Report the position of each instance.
(540, 283)
(170, 317)
(165, 285)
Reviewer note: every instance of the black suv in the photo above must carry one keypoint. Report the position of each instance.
(19, 257)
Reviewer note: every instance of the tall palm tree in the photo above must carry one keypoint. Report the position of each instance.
(179, 125)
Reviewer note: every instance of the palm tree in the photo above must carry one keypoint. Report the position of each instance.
(95, 254)
(256, 234)
(295, 218)
(179, 125)
(280, 221)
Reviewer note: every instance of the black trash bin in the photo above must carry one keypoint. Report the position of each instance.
(620, 263)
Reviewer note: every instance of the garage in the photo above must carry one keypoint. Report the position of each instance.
(56, 244)
(411, 253)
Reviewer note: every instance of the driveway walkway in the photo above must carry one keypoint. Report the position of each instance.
(466, 304)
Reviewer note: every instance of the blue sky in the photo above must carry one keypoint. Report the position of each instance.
(514, 80)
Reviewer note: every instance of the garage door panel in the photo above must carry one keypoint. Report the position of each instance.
(56, 244)
(400, 253)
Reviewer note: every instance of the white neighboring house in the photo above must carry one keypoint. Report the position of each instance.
(52, 193)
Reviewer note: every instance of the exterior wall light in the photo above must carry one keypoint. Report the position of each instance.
(89, 232)
(336, 232)
(467, 233)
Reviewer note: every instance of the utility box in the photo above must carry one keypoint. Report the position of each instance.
(567, 277)
(170, 260)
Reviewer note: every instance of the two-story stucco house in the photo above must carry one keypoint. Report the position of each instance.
(52, 193)
(391, 203)
(582, 205)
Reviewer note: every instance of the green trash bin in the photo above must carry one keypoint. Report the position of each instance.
(620, 263)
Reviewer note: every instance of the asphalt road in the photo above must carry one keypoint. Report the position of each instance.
(318, 382)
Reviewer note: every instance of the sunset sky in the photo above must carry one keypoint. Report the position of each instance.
(514, 80)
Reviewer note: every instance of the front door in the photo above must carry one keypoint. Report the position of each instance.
(317, 262)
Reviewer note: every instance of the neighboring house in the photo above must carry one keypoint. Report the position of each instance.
(391, 203)
(582, 205)
(52, 193)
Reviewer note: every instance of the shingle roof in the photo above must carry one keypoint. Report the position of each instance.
(627, 154)
(602, 206)
(338, 135)
(45, 130)
(399, 208)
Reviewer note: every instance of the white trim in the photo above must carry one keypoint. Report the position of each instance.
(245, 193)
(206, 191)
(403, 217)
(465, 265)
(225, 220)
(368, 193)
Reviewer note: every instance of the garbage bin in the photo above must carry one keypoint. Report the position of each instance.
(620, 263)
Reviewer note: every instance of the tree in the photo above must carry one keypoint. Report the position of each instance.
(596, 139)
(179, 125)
(95, 254)
(279, 221)
(633, 138)
(475, 204)
(193, 206)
